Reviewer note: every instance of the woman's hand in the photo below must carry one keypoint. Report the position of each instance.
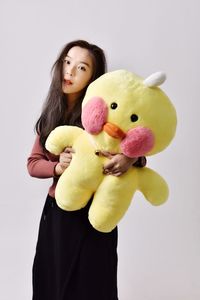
(64, 161)
(118, 164)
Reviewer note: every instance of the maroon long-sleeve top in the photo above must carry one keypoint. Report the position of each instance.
(41, 164)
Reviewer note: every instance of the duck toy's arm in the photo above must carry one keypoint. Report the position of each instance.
(62, 137)
(152, 186)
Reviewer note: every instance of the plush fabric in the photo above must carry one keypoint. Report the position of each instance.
(121, 113)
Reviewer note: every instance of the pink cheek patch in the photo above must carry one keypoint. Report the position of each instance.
(94, 115)
(138, 142)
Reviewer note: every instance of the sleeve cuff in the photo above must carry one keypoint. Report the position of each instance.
(141, 162)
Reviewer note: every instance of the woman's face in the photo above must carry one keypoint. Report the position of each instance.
(77, 70)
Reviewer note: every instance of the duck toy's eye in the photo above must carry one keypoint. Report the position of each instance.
(113, 105)
(134, 118)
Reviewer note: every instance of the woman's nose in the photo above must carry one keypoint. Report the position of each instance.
(69, 71)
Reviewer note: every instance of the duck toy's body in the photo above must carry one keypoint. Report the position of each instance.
(121, 113)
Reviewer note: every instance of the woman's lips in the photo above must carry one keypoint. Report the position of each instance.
(68, 82)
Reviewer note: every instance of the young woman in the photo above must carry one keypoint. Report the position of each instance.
(72, 261)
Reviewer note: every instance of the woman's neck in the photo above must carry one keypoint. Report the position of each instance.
(71, 100)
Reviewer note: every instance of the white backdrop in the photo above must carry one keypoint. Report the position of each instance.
(159, 247)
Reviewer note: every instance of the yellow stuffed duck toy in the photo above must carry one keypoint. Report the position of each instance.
(121, 113)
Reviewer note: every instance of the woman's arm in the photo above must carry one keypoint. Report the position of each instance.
(119, 163)
(42, 164)
(39, 164)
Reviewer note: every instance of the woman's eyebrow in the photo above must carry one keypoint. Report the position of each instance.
(83, 62)
(67, 56)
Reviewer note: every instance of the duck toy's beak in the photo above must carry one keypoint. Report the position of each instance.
(114, 131)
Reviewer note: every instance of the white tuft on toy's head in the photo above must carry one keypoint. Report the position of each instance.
(155, 79)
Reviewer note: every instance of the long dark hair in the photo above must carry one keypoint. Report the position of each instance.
(55, 110)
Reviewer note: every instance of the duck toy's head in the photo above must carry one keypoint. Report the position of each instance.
(127, 114)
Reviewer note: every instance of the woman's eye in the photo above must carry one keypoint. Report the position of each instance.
(66, 61)
(113, 105)
(82, 68)
(134, 118)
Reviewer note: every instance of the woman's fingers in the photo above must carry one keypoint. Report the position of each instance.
(108, 167)
(117, 174)
(118, 165)
(69, 150)
(104, 153)
(65, 158)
